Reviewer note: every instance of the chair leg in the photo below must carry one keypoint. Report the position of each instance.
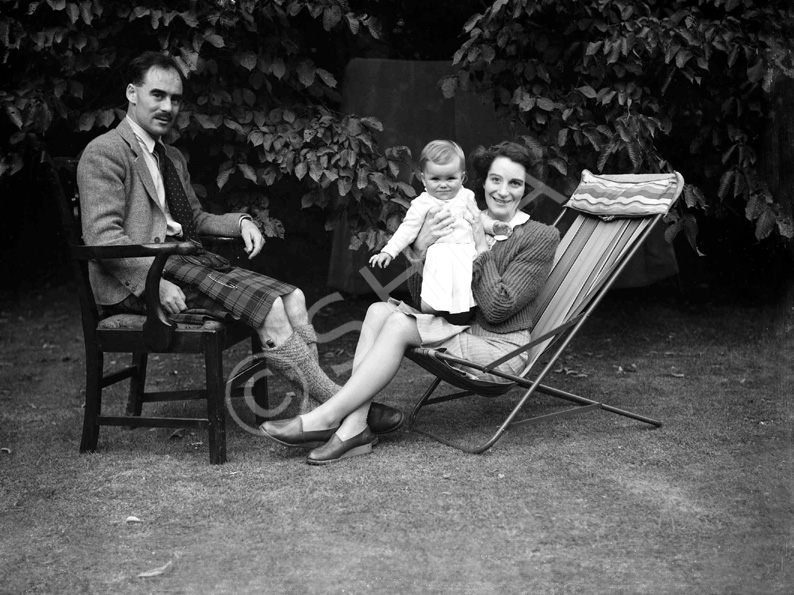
(93, 400)
(216, 413)
(137, 384)
(259, 389)
(423, 401)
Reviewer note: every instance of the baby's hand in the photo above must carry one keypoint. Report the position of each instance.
(381, 260)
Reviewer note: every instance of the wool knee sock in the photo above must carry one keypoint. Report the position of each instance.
(309, 336)
(295, 362)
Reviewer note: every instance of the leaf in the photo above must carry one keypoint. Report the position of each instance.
(214, 39)
(593, 47)
(352, 23)
(328, 78)
(756, 72)
(331, 17)
(73, 11)
(85, 12)
(232, 125)
(306, 72)
(559, 165)
(472, 22)
(587, 91)
(208, 122)
(278, 68)
(344, 184)
(682, 57)
(754, 206)
(223, 174)
(14, 115)
(86, 121)
(635, 154)
(248, 172)
(248, 60)
(671, 231)
(691, 232)
(545, 103)
(765, 224)
(536, 149)
(157, 571)
(726, 182)
(608, 149)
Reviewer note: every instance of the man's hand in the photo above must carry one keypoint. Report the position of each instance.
(252, 237)
(171, 297)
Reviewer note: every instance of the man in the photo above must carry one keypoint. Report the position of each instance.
(134, 189)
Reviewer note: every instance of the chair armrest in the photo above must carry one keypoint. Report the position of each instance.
(158, 330)
(132, 250)
(219, 240)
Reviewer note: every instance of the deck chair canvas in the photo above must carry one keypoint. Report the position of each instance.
(614, 216)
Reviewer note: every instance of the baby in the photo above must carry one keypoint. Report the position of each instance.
(446, 277)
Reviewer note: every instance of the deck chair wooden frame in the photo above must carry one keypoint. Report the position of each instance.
(591, 256)
(140, 335)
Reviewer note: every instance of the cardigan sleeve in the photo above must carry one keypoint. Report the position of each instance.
(510, 275)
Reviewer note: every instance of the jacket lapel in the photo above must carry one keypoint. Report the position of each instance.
(141, 169)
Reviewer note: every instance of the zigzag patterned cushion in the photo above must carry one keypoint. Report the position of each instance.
(608, 198)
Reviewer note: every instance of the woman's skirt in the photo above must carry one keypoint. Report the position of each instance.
(471, 342)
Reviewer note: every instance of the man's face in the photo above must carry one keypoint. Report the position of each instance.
(154, 105)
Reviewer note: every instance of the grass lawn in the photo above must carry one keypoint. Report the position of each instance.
(592, 504)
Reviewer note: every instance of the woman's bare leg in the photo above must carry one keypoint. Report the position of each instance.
(376, 317)
(374, 370)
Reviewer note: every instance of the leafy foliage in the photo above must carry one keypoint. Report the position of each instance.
(633, 86)
(261, 86)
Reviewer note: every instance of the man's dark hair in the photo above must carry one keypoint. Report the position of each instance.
(141, 65)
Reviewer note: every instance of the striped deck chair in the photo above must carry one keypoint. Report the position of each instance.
(614, 216)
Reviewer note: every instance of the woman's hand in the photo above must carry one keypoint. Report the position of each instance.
(438, 223)
(478, 231)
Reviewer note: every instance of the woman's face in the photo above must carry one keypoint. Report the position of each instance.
(504, 187)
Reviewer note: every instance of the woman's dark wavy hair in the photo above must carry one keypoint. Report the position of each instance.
(140, 66)
(482, 158)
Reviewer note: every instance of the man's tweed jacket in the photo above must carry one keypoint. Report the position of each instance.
(119, 205)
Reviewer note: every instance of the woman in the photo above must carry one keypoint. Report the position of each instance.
(508, 276)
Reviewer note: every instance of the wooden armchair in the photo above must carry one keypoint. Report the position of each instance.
(141, 335)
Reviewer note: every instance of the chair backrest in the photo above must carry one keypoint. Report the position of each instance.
(590, 257)
(59, 179)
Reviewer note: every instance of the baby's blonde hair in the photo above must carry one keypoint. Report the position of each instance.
(441, 152)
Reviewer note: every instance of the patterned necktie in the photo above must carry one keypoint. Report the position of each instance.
(175, 196)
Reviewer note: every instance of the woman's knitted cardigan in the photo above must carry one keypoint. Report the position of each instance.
(507, 279)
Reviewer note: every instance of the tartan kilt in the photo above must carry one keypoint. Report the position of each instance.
(246, 295)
